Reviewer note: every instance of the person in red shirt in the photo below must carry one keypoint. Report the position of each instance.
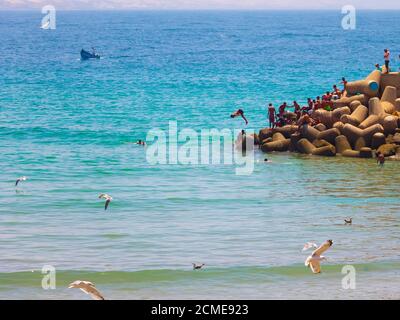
(327, 96)
(271, 115)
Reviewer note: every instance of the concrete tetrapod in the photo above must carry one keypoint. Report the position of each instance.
(343, 147)
(377, 114)
(353, 133)
(324, 148)
(279, 143)
(356, 117)
(369, 86)
(328, 118)
(312, 134)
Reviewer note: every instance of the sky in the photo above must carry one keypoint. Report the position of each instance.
(198, 4)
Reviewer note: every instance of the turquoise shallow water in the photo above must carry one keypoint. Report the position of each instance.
(69, 126)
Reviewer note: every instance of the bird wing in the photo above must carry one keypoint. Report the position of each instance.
(308, 245)
(93, 292)
(322, 248)
(16, 182)
(107, 203)
(315, 266)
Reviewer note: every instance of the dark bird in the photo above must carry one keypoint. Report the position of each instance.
(19, 180)
(108, 199)
(198, 266)
(350, 221)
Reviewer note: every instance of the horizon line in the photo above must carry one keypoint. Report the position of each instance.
(197, 9)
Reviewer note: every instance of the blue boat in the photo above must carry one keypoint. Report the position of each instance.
(86, 55)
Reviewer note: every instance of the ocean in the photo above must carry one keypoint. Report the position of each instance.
(70, 127)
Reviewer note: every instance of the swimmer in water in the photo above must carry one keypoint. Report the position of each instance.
(380, 158)
(141, 143)
(237, 113)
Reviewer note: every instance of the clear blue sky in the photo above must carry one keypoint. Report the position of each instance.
(200, 4)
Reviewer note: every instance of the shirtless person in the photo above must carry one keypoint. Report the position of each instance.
(271, 115)
(386, 56)
(141, 143)
(344, 82)
(237, 113)
(282, 108)
(380, 158)
(305, 119)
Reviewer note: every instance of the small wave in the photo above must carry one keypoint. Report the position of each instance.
(247, 273)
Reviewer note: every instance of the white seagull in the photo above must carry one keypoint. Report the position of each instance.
(314, 260)
(19, 180)
(309, 245)
(88, 288)
(108, 199)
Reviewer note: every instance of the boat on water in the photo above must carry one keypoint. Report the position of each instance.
(86, 55)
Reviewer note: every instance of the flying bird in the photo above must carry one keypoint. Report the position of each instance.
(88, 288)
(350, 221)
(198, 266)
(315, 259)
(108, 199)
(19, 180)
(309, 245)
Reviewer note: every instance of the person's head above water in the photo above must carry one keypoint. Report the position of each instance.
(243, 132)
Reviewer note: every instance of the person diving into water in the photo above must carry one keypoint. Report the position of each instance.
(240, 113)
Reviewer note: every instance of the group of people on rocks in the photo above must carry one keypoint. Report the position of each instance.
(283, 117)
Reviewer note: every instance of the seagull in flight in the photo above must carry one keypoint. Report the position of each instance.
(198, 266)
(108, 199)
(309, 245)
(88, 288)
(19, 180)
(315, 259)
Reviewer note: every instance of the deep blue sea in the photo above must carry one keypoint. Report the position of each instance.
(70, 127)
